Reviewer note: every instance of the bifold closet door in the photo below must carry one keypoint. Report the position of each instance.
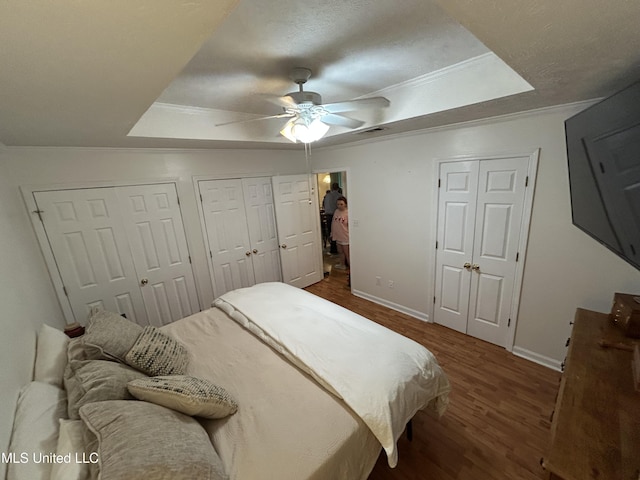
(227, 234)
(263, 233)
(480, 211)
(123, 249)
(241, 232)
(153, 222)
(86, 235)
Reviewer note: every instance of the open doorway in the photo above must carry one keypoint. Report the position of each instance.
(334, 260)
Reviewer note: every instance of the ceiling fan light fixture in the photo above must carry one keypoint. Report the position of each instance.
(304, 131)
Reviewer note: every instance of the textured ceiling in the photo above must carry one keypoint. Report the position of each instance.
(83, 73)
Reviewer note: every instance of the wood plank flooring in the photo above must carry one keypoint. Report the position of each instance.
(497, 424)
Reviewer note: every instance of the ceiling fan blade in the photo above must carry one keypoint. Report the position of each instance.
(331, 119)
(280, 115)
(285, 102)
(351, 105)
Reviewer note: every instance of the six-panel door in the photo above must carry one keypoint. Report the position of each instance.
(156, 235)
(122, 249)
(298, 230)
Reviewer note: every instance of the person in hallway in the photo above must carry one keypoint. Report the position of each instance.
(340, 233)
(329, 205)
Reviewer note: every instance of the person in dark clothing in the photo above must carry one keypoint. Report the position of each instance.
(329, 204)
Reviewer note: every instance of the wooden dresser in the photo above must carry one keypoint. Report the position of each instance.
(595, 431)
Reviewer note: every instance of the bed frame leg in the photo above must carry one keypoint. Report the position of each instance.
(410, 430)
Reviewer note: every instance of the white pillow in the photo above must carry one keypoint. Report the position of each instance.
(185, 394)
(70, 443)
(51, 355)
(35, 430)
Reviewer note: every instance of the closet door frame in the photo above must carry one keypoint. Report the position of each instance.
(533, 157)
(28, 195)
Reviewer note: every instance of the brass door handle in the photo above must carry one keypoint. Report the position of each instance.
(467, 265)
(283, 246)
(475, 267)
(247, 253)
(255, 250)
(144, 281)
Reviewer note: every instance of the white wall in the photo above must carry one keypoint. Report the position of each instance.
(81, 166)
(393, 239)
(564, 267)
(26, 293)
(26, 300)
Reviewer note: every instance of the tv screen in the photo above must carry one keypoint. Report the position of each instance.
(603, 150)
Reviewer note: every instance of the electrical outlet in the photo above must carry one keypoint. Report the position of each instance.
(390, 283)
(378, 281)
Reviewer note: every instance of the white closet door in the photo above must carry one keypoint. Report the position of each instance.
(480, 212)
(263, 233)
(456, 220)
(501, 187)
(227, 234)
(154, 227)
(298, 230)
(86, 235)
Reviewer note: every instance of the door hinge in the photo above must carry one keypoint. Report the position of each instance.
(434, 299)
(210, 254)
(509, 323)
(39, 212)
(64, 289)
(178, 199)
(517, 256)
(189, 258)
(436, 244)
(200, 198)
(438, 183)
(526, 181)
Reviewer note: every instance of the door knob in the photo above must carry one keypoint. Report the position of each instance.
(283, 246)
(247, 253)
(144, 281)
(475, 267)
(467, 265)
(255, 250)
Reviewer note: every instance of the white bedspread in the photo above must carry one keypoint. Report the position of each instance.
(383, 376)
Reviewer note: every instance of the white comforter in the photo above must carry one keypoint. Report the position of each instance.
(383, 376)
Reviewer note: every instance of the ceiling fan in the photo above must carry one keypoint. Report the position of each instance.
(309, 118)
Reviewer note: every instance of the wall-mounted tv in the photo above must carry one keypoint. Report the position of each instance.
(603, 150)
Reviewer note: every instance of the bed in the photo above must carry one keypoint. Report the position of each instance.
(271, 382)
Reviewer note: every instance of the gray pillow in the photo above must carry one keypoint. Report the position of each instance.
(110, 336)
(141, 440)
(189, 395)
(156, 353)
(95, 381)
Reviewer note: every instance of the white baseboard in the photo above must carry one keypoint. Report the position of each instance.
(537, 358)
(393, 306)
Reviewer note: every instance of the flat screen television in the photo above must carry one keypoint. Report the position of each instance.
(603, 150)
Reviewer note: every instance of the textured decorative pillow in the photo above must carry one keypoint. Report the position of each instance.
(35, 430)
(141, 441)
(156, 353)
(70, 442)
(95, 381)
(111, 335)
(189, 395)
(51, 355)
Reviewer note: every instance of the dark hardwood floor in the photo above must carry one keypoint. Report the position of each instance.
(497, 424)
